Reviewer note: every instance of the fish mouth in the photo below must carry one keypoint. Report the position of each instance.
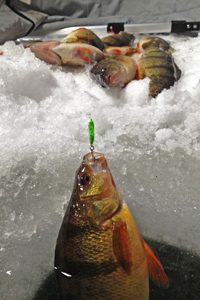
(99, 78)
(92, 157)
(103, 204)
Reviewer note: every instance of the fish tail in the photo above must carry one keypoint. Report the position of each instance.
(81, 28)
(137, 74)
(156, 271)
(32, 42)
(131, 51)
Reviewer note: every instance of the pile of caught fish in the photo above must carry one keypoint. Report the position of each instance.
(113, 58)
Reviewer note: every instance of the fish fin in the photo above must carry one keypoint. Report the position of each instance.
(116, 51)
(131, 50)
(45, 54)
(156, 272)
(111, 30)
(78, 29)
(138, 48)
(140, 72)
(171, 50)
(122, 246)
(84, 53)
(32, 42)
(106, 55)
(136, 74)
(1, 53)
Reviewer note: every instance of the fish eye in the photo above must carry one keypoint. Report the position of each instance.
(84, 179)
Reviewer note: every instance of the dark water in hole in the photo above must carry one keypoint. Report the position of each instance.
(181, 267)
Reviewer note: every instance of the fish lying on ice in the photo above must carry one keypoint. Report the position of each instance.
(73, 54)
(125, 50)
(84, 35)
(120, 39)
(115, 71)
(160, 67)
(100, 254)
(149, 41)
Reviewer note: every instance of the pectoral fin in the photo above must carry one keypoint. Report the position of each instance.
(85, 54)
(116, 51)
(155, 268)
(122, 246)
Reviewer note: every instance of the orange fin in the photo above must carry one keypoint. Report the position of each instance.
(155, 268)
(1, 53)
(90, 36)
(138, 46)
(111, 30)
(122, 246)
(84, 53)
(116, 52)
(78, 29)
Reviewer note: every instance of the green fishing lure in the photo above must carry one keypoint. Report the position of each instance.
(91, 131)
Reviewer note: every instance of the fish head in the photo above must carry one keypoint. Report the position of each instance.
(96, 189)
(108, 72)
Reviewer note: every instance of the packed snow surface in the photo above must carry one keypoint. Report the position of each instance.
(152, 147)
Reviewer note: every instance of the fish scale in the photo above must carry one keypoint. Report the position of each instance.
(100, 254)
(160, 67)
(103, 271)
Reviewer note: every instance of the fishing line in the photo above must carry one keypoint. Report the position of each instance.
(91, 124)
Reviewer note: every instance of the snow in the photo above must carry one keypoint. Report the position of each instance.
(152, 147)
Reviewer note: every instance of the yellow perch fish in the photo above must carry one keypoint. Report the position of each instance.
(115, 71)
(158, 42)
(100, 254)
(125, 50)
(72, 54)
(160, 67)
(84, 35)
(120, 39)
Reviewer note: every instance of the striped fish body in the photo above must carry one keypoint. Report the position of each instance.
(120, 39)
(84, 35)
(99, 253)
(148, 41)
(160, 67)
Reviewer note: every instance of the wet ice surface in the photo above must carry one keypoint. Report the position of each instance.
(152, 147)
